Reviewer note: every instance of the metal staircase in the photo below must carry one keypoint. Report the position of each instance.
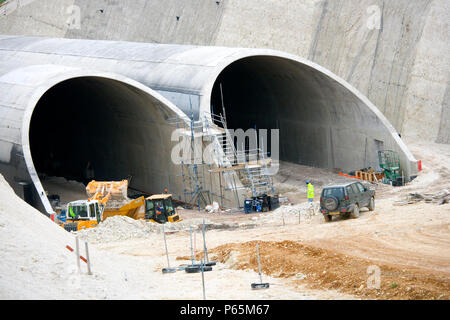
(255, 175)
(245, 169)
(251, 165)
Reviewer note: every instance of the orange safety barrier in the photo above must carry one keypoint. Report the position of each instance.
(348, 176)
(81, 257)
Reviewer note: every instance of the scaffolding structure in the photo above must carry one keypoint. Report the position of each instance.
(250, 165)
(256, 173)
(237, 170)
(193, 167)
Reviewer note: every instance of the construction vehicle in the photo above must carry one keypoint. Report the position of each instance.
(80, 215)
(159, 208)
(113, 198)
(390, 164)
(109, 198)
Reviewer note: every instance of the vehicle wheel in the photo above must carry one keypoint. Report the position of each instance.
(328, 217)
(355, 212)
(371, 204)
(330, 203)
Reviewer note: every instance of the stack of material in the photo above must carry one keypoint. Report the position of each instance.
(212, 208)
(117, 189)
(369, 175)
(121, 228)
(302, 211)
(438, 198)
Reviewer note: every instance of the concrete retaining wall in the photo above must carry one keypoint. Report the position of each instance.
(394, 52)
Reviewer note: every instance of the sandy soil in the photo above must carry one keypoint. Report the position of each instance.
(302, 256)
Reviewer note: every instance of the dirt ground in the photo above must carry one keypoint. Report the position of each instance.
(397, 251)
(409, 246)
(394, 252)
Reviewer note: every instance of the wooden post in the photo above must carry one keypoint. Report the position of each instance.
(259, 263)
(195, 244)
(77, 253)
(203, 280)
(87, 258)
(221, 190)
(165, 245)
(192, 248)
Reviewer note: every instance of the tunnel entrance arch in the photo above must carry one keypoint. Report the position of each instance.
(93, 128)
(82, 126)
(320, 116)
(322, 121)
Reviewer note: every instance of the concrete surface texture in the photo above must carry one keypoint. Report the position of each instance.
(394, 52)
(316, 112)
(54, 124)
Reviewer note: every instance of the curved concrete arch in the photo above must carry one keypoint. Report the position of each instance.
(249, 53)
(386, 133)
(323, 120)
(27, 86)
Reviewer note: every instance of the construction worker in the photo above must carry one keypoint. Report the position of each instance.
(160, 214)
(72, 214)
(159, 210)
(62, 216)
(310, 191)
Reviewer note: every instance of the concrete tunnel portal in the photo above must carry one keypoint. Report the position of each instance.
(93, 123)
(320, 122)
(106, 105)
(93, 128)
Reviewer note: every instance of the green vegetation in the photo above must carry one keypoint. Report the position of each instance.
(394, 285)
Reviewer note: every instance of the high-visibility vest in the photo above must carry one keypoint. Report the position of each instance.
(310, 191)
(72, 214)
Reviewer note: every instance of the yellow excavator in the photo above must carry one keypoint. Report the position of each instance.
(109, 198)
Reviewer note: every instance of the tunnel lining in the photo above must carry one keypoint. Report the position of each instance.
(191, 69)
(79, 112)
(52, 78)
(321, 125)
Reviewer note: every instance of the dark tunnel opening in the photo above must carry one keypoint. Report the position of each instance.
(258, 93)
(92, 128)
(320, 122)
(61, 122)
(246, 99)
